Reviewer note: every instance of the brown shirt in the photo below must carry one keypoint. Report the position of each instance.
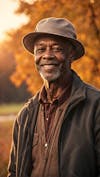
(45, 143)
(49, 108)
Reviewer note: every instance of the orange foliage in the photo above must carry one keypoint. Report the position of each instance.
(84, 15)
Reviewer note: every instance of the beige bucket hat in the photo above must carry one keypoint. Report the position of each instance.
(55, 26)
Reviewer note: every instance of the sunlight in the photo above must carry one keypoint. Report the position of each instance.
(29, 2)
(8, 19)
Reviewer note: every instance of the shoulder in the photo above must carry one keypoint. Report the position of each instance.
(92, 91)
(92, 96)
(81, 88)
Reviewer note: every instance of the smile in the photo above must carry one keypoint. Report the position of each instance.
(49, 67)
(47, 64)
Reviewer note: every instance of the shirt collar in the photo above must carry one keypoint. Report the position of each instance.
(62, 97)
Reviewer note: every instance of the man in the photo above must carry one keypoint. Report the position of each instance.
(57, 133)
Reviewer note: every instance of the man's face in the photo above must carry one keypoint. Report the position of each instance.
(52, 57)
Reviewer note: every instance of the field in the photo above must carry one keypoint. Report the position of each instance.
(6, 134)
(5, 142)
(6, 109)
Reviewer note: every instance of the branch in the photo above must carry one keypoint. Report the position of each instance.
(93, 19)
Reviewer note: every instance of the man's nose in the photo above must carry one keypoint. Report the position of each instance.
(48, 54)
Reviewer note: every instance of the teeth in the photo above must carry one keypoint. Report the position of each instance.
(49, 66)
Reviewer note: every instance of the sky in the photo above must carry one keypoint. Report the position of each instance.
(9, 20)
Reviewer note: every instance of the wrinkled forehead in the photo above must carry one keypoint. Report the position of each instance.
(52, 39)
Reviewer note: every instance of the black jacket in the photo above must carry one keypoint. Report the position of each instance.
(79, 139)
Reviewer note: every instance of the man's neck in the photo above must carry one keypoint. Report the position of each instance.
(54, 89)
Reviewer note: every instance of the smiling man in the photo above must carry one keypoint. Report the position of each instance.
(57, 133)
(51, 54)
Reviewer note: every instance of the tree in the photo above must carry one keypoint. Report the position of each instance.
(8, 92)
(85, 16)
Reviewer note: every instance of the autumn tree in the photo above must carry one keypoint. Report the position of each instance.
(8, 92)
(84, 15)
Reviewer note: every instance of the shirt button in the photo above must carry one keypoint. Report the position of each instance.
(46, 145)
(47, 119)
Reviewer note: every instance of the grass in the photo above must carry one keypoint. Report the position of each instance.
(12, 108)
(6, 134)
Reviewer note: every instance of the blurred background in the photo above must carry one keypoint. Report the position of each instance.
(19, 79)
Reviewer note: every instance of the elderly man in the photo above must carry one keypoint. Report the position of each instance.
(57, 133)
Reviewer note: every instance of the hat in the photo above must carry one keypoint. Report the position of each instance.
(60, 27)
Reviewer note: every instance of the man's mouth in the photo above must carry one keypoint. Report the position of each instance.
(49, 66)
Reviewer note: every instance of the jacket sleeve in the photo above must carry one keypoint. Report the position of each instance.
(12, 158)
(97, 138)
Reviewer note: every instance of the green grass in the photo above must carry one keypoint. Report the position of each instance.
(12, 108)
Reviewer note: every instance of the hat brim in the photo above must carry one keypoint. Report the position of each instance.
(30, 39)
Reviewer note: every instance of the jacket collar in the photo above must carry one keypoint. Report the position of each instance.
(78, 92)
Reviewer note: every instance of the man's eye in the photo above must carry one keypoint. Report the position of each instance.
(57, 49)
(40, 50)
